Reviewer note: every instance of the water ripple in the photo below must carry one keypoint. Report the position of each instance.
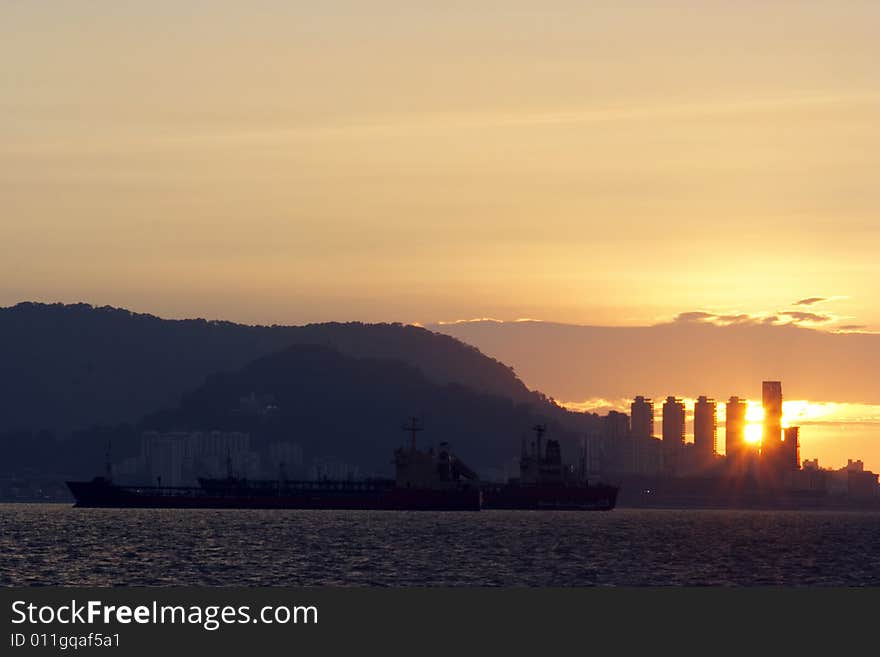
(56, 544)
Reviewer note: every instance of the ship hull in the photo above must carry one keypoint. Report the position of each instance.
(323, 495)
(550, 497)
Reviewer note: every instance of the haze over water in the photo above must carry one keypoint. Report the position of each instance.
(57, 544)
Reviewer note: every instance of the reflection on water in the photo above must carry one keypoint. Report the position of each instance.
(56, 544)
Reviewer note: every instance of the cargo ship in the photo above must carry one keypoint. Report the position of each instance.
(424, 481)
(544, 483)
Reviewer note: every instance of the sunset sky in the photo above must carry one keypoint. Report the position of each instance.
(415, 161)
(610, 163)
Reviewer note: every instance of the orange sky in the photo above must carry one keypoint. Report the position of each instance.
(613, 164)
(289, 162)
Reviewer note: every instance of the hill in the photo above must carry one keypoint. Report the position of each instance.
(351, 409)
(74, 379)
(68, 367)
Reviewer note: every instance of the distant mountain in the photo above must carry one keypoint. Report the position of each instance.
(352, 409)
(68, 367)
(575, 363)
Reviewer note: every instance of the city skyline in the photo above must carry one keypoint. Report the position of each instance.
(760, 456)
(832, 387)
(795, 415)
(766, 434)
(759, 447)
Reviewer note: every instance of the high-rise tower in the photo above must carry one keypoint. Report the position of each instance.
(673, 434)
(705, 429)
(791, 449)
(642, 417)
(771, 437)
(735, 428)
(673, 422)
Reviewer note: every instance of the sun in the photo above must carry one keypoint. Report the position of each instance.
(754, 417)
(794, 411)
(753, 433)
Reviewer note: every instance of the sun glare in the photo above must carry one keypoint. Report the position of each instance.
(794, 412)
(753, 433)
(754, 412)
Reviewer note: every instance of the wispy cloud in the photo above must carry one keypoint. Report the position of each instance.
(598, 405)
(470, 321)
(694, 316)
(805, 318)
(809, 301)
(739, 318)
(799, 316)
(779, 318)
(854, 328)
(725, 319)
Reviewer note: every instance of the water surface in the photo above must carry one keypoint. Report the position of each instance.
(45, 544)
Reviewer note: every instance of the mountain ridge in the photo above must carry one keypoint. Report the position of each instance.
(65, 367)
(337, 406)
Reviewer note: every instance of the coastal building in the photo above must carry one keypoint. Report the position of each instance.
(735, 428)
(283, 460)
(791, 449)
(854, 482)
(642, 417)
(705, 430)
(615, 441)
(615, 426)
(178, 458)
(673, 434)
(673, 422)
(771, 436)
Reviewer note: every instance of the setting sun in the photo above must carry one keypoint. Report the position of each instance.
(753, 434)
(794, 412)
(754, 418)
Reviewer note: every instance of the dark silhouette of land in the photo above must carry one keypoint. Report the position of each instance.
(348, 408)
(89, 390)
(68, 367)
(76, 378)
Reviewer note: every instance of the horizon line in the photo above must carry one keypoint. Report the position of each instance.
(706, 319)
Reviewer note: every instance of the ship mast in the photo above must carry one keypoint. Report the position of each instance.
(413, 426)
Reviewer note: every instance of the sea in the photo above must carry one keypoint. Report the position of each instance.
(56, 544)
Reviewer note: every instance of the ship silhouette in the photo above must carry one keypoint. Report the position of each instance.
(545, 483)
(425, 480)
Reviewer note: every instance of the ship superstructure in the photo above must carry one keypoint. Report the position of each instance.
(543, 464)
(424, 480)
(442, 470)
(545, 483)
